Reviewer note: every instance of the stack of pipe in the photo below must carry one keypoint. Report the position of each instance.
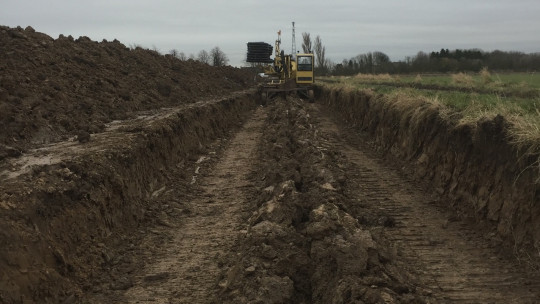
(259, 52)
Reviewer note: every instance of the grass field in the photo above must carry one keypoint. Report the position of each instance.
(518, 80)
(517, 93)
(467, 98)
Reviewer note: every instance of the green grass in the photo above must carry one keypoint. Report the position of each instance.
(525, 85)
(458, 91)
(467, 98)
(531, 80)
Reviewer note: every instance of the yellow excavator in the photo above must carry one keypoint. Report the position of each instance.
(285, 73)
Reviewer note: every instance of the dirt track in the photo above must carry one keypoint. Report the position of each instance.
(425, 254)
(185, 269)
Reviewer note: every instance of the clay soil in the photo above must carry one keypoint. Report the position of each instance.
(151, 180)
(55, 89)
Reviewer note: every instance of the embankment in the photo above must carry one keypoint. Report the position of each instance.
(474, 168)
(60, 220)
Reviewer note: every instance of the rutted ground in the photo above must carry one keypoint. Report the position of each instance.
(185, 268)
(449, 256)
(302, 244)
(69, 226)
(476, 167)
(163, 207)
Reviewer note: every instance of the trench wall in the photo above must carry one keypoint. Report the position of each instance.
(474, 168)
(57, 221)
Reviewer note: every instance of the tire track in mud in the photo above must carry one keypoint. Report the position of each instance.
(452, 261)
(186, 270)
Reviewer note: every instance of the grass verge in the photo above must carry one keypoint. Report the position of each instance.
(467, 107)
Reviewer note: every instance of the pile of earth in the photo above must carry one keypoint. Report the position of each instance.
(306, 242)
(70, 226)
(55, 89)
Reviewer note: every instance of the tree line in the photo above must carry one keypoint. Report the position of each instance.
(443, 61)
(215, 56)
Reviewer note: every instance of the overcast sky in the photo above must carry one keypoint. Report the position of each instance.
(398, 28)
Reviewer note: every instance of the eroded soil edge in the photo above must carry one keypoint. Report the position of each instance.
(475, 168)
(62, 224)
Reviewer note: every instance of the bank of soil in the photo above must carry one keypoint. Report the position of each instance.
(55, 89)
(475, 167)
(453, 260)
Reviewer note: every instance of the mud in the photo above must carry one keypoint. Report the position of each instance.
(151, 180)
(302, 245)
(475, 168)
(61, 223)
(54, 89)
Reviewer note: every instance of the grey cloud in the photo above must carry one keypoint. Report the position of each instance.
(347, 28)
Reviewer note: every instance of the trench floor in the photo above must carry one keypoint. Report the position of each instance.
(185, 268)
(453, 262)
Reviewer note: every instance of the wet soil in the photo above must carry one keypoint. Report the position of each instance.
(185, 268)
(152, 180)
(454, 261)
(55, 89)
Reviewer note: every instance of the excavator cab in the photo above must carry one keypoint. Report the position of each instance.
(304, 69)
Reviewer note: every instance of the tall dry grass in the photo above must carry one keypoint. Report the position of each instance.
(376, 77)
(524, 131)
(485, 75)
(462, 79)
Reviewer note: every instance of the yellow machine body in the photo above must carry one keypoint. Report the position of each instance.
(289, 73)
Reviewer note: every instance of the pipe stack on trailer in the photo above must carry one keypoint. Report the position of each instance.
(259, 52)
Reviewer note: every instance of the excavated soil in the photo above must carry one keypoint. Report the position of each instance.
(55, 89)
(475, 168)
(131, 177)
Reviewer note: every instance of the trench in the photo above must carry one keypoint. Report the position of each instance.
(452, 260)
(184, 269)
(475, 168)
(69, 228)
(224, 201)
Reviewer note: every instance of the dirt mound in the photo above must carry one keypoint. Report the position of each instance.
(302, 244)
(53, 89)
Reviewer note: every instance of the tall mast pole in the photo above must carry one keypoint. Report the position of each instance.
(293, 49)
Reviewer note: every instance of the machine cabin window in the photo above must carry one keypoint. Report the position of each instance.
(305, 63)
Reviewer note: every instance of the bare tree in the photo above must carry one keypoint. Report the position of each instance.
(178, 55)
(204, 57)
(306, 43)
(218, 57)
(320, 51)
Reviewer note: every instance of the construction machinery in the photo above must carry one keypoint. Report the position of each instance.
(284, 74)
